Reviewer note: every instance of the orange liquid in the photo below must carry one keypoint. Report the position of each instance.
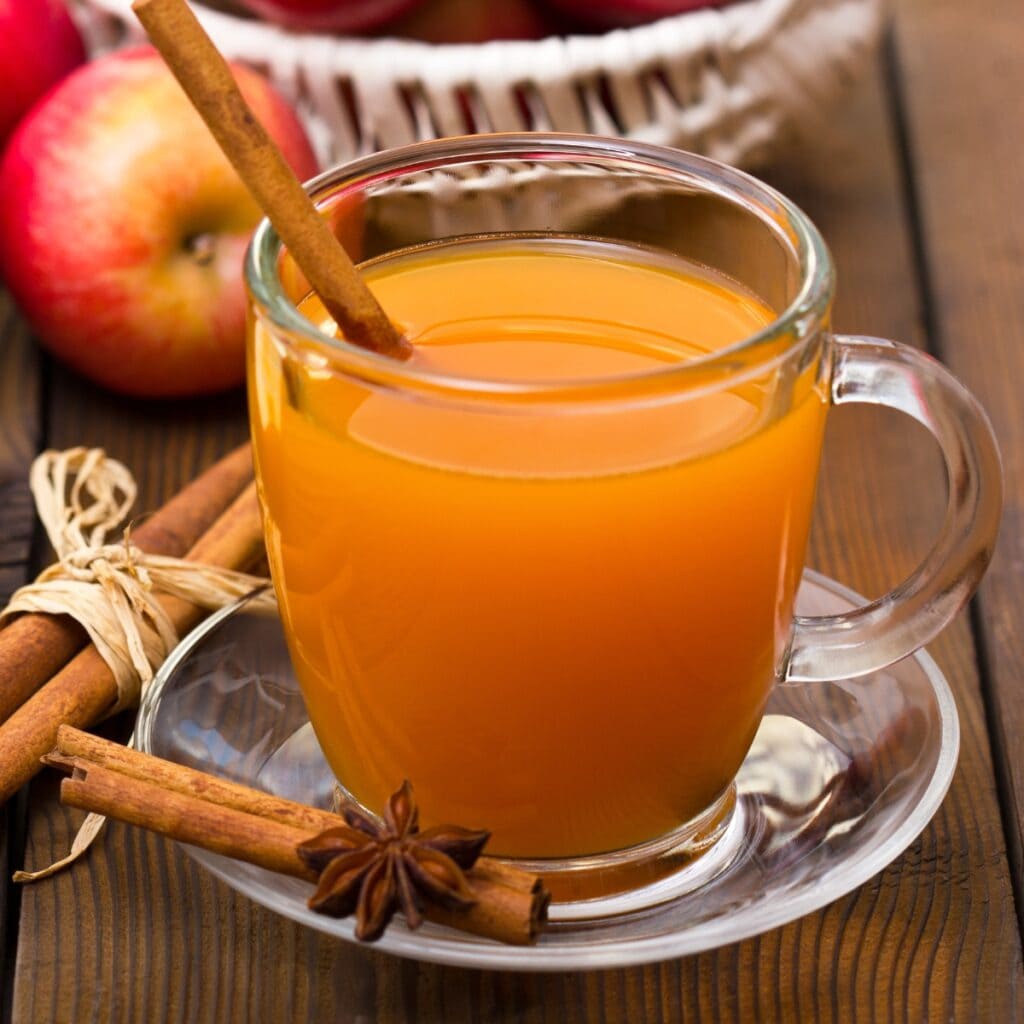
(559, 624)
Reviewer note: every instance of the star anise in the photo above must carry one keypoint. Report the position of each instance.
(375, 869)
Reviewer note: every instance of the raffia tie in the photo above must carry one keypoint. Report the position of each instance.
(110, 588)
(81, 496)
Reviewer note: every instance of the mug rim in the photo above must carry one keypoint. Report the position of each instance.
(753, 355)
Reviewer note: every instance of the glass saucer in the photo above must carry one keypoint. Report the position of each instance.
(840, 779)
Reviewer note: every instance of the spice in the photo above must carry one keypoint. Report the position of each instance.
(503, 903)
(33, 646)
(375, 869)
(84, 691)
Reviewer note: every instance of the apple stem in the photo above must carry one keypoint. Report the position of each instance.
(207, 80)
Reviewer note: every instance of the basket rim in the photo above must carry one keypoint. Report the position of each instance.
(728, 81)
(721, 19)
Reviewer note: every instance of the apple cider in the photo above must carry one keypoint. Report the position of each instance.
(559, 619)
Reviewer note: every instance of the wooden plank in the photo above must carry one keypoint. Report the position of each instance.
(20, 434)
(933, 937)
(141, 933)
(98, 913)
(964, 119)
(19, 440)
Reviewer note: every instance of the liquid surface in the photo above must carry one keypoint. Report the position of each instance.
(559, 623)
(531, 310)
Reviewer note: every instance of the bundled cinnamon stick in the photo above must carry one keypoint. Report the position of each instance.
(259, 828)
(33, 647)
(84, 691)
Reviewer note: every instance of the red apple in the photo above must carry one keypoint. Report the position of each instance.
(122, 226)
(39, 45)
(473, 21)
(605, 14)
(346, 16)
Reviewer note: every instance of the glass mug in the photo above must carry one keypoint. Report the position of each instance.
(558, 606)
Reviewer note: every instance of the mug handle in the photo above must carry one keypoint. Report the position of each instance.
(866, 639)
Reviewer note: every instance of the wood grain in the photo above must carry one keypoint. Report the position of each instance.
(143, 934)
(19, 443)
(964, 138)
(20, 439)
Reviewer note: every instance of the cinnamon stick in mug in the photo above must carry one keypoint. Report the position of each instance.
(207, 81)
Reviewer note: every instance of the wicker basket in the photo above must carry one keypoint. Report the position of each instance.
(729, 83)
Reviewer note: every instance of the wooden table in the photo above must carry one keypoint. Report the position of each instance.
(918, 184)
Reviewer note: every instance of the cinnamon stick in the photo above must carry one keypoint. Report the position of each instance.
(259, 828)
(207, 80)
(192, 820)
(83, 691)
(73, 743)
(34, 646)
